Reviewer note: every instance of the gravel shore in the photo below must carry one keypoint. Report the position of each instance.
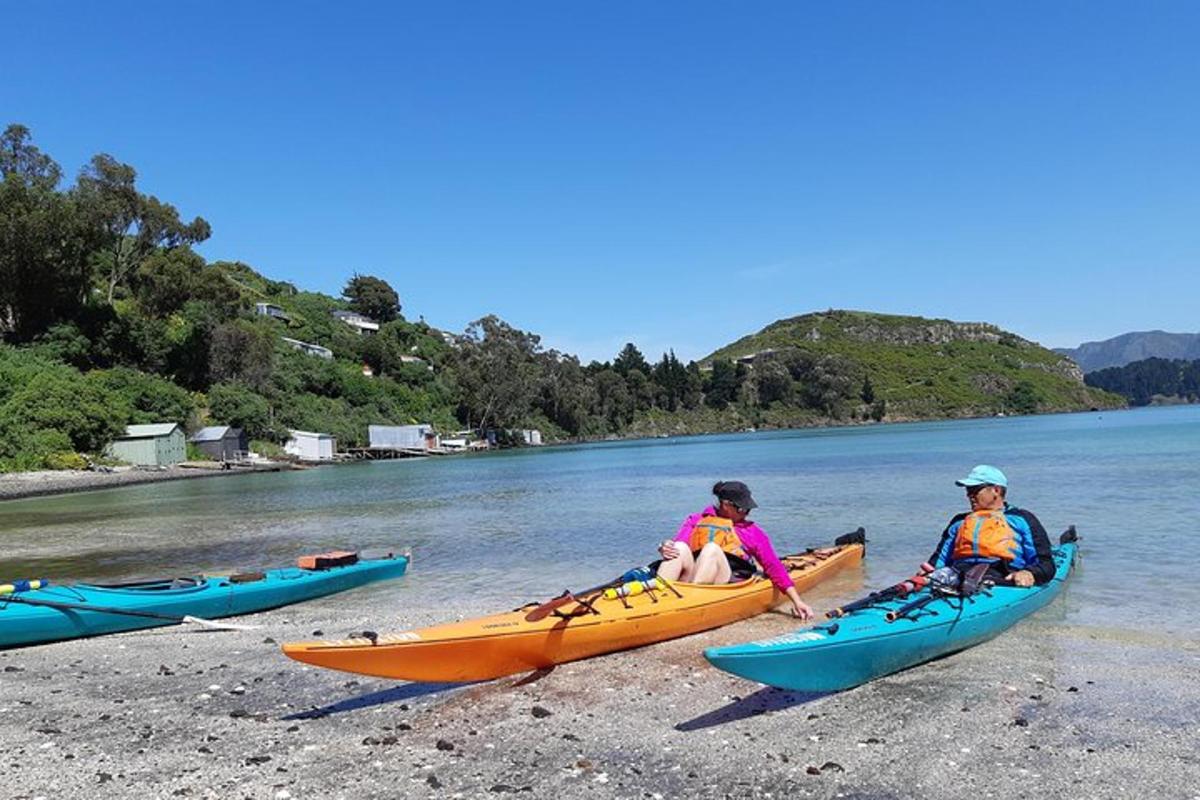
(16, 485)
(1047, 710)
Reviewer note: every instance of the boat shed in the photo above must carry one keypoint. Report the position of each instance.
(402, 437)
(308, 446)
(156, 445)
(221, 442)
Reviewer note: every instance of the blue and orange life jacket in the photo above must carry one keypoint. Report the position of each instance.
(721, 532)
(985, 535)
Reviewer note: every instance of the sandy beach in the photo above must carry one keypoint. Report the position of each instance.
(1046, 710)
(41, 483)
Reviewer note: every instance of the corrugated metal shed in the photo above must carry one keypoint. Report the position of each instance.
(213, 433)
(157, 445)
(399, 437)
(221, 442)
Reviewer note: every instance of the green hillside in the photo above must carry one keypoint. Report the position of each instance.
(108, 316)
(922, 368)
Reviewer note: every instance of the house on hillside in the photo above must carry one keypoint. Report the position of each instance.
(403, 437)
(364, 325)
(156, 445)
(271, 310)
(222, 442)
(416, 361)
(308, 446)
(751, 358)
(309, 348)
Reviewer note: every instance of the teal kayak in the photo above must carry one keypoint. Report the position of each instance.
(864, 645)
(75, 610)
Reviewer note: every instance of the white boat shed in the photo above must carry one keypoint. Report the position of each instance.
(309, 446)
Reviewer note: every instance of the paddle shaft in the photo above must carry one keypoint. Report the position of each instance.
(915, 605)
(901, 589)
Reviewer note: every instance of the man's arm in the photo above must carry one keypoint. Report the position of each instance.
(1043, 570)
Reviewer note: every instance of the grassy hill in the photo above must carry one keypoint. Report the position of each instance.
(922, 368)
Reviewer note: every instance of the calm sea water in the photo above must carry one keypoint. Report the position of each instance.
(520, 525)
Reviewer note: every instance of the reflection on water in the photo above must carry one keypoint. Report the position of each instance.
(507, 527)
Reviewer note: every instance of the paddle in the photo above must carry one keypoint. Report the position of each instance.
(128, 612)
(548, 608)
(901, 589)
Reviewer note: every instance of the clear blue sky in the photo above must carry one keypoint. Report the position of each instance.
(675, 174)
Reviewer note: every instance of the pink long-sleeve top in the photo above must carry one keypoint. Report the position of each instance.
(754, 540)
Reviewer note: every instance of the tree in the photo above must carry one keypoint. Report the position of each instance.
(134, 225)
(76, 406)
(243, 408)
(723, 384)
(372, 297)
(1023, 399)
(496, 373)
(774, 382)
(567, 396)
(614, 403)
(241, 352)
(672, 377)
(44, 242)
(630, 358)
(868, 391)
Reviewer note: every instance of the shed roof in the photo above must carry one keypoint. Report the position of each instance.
(214, 433)
(149, 431)
(310, 433)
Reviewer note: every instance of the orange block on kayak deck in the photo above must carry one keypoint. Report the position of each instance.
(334, 558)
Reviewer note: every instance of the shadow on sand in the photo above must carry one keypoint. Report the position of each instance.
(765, 700)
(408, 691)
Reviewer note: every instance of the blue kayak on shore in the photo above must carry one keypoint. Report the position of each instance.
(69, 611)
(864, 644)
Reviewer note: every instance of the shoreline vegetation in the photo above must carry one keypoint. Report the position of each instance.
(108, 318)
(47, 483)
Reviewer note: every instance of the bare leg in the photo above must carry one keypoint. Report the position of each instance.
(680, 568)
(712, 566)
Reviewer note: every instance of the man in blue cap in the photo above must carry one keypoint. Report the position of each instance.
(1011, 540)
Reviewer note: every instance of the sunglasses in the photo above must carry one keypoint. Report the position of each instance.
(974, 490)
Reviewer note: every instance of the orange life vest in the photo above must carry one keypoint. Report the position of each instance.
(985, 534)
(721, 531)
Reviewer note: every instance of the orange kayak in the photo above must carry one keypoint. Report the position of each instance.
(589, 625)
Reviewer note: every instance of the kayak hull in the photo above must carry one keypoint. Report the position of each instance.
(507, 644)
(204, 597)
(863, 645)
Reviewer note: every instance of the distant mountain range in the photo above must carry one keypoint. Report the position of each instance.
(1129, 347)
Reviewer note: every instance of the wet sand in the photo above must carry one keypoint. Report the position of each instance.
(16, 485)
(1043, 711)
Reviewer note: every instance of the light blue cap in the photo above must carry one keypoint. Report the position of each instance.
(984, 475)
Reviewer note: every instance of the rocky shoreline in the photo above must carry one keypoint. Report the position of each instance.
(1045, 710)
(18, 485)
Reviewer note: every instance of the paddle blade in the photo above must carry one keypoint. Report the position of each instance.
(217, 626)
(546, 609)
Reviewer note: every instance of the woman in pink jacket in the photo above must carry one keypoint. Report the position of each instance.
(719, 544)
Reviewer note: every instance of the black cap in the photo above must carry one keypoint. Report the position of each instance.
(735, 492)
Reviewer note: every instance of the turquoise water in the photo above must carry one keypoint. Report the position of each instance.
(508, 527)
